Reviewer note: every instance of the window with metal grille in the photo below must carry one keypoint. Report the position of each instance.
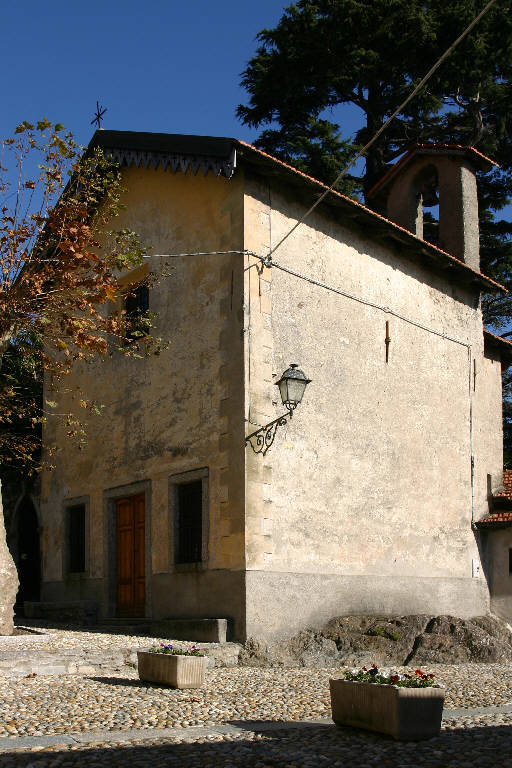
(76, 538)
(137, 302)
(189, 522)
(136, 305)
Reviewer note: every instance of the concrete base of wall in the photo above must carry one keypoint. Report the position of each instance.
(281, 604)
(202, 594)
(273, 605)
(74, 590)
(77, 612)
(502, 607)
(198, 630)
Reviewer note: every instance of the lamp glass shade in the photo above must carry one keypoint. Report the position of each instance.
(292, 385)
(292, 390)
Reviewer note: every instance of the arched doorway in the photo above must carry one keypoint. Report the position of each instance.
(28, 560)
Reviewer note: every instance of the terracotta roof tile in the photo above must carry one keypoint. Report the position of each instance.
(496, 520)
(473, 150)
(500, 516)
(507, 486)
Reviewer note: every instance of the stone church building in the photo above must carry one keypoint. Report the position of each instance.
(369, 497)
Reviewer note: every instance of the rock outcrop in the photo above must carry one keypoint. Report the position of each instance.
(8, 580)
(385, 641)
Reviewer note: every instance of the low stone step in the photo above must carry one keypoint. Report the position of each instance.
(43, 661)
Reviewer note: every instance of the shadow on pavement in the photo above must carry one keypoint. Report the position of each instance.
(485, 747)
(100, 629)
(128, 681)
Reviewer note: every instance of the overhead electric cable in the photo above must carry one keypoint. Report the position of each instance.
(198, 253)
(383, 127)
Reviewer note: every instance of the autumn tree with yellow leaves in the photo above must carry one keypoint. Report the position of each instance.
(61, 260)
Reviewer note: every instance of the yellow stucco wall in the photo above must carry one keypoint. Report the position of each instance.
(182, 410)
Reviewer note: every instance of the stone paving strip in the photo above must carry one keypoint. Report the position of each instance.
(44, 705)
(480, 743)
(194, 733)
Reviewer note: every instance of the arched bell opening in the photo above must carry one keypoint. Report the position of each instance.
(426, 191)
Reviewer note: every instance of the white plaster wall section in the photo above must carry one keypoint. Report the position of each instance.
(488, 431)
(499, 544)
(260, 387)
(372, 454)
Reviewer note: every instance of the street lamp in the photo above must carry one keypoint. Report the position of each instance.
(292, 386)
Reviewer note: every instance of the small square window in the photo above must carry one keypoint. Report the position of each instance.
(76, 538)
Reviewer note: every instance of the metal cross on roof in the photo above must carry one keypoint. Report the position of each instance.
(98, 117)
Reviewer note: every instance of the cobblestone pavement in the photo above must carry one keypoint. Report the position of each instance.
(243, 718)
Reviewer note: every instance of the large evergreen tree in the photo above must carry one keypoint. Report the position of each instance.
(371, 53)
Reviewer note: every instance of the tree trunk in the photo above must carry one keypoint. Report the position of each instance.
(8, 580)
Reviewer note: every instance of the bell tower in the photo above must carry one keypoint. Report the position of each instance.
(432, 192)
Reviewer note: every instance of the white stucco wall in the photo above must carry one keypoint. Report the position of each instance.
(365, 497)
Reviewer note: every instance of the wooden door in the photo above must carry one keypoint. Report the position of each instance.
(130, 536)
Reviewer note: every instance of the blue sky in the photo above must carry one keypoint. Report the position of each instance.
(156, 65)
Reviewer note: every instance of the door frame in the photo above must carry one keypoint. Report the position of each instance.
(110, 497)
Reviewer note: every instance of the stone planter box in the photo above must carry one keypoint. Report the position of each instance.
(407, 714)
(167, 669)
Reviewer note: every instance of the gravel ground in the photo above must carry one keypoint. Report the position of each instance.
(44, 705)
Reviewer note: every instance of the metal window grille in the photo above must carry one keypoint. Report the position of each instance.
(189, 522)
(136, 305)
(138, 301)
(76, 530)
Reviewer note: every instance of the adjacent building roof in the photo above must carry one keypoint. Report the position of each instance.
(500, 515)
(506, 493)
(219, 154)
(500, 345)
(500, 518)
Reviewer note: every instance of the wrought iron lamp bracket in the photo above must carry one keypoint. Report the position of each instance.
(262, 439)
